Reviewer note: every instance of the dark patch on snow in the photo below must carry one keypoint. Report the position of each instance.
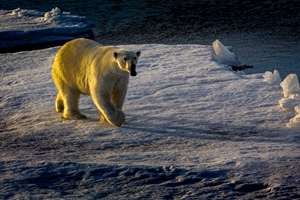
(70, 180)
(251, 187)
(240, 68)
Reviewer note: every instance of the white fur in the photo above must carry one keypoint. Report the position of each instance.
(84, 66)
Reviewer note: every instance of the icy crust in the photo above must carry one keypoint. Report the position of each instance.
(26, 27)
(193, 129)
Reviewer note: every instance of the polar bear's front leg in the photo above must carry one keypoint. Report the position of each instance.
(118, 97)
(112, 114)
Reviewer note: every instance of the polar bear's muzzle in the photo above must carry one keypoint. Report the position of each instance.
(132, 70)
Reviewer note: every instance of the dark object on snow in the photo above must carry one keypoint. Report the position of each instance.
(240, 68)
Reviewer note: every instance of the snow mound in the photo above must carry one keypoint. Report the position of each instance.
(272, 78)
(224, 55)
(27, 27)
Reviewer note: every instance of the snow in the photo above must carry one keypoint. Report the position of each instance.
(288, 103)
(291, 100)
(28, 27)
(193, 126)
(194, 130)
(295, 121)
(290, 85)
(272, 78)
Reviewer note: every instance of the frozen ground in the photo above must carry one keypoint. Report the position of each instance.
(194, 130)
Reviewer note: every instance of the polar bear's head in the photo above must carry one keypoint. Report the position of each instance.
(127, 60)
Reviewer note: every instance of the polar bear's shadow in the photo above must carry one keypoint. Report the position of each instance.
(155, 125)
(169, 126)
(192, 129)
(92, 114)
(133, 122)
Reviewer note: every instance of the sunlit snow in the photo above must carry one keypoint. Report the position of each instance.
(194, 130)
(290, 85)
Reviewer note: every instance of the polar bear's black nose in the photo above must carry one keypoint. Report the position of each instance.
(132, 70)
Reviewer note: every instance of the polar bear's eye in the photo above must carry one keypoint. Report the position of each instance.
(125, 59)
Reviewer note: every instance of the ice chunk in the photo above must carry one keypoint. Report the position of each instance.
(230, 48)
(288, 103)
(52, 15)
(297, 109)
(293, 125)
(221, 54)
(290, 85)
(272, 78)
(295, 119)
(295, 96)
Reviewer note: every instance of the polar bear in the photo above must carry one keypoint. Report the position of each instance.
(83, 66)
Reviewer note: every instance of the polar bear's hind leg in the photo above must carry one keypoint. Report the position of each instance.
(59, 104)
(70, 104)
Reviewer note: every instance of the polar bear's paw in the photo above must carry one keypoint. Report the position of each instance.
(118, 119)
(74, 116)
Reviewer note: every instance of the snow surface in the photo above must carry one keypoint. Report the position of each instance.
(27, 27)
(194, 130)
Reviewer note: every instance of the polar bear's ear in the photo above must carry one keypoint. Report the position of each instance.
(138, 53)
(115, 55)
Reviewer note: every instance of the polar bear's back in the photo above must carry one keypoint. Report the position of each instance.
(83, 49)
(80, 49)
(77, 61)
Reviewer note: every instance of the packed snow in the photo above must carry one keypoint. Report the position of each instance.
(28, 27)
(194, 130)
